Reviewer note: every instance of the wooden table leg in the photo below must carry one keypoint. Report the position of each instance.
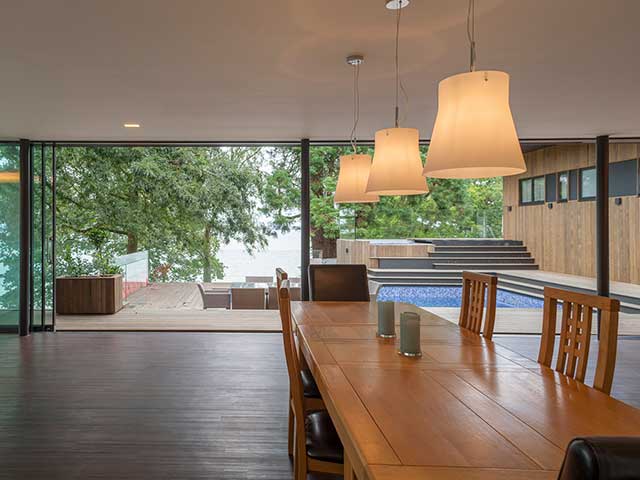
(349, 474)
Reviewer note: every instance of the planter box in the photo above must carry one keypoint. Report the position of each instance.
(99, 295)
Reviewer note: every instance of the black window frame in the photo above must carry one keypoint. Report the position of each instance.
(566, 174)
(532, 180)
(581, 197)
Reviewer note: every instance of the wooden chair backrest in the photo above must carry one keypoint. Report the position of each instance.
(474, 288)
(280, 276)
(575, 335)
(291, 357)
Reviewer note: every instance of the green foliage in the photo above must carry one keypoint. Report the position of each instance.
(453, 208)
(181, 204)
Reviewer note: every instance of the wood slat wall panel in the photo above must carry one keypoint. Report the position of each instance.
(361, 251)
(562, 239)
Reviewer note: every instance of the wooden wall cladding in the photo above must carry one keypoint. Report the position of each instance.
(89, 295)
(362, 251)
(562, 239)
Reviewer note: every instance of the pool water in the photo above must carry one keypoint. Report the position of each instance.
(424, 296)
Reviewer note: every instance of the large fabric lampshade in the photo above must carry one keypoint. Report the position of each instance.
(397, 167)
(474, 135)
(352, 180)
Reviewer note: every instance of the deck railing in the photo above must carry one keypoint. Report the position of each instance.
(135, 271)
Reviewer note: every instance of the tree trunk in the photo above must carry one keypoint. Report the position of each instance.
(320, 242)
(132, 243)
(206, 256)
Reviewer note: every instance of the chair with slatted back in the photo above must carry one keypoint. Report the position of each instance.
(317, 446)
(575, 335)
(313, 399)
(475, 286)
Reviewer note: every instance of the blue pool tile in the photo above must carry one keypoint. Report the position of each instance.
(450, 297)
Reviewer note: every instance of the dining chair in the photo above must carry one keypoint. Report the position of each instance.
(311, 394)
(475, 287)
(594, 458)
(575, 335)
(317, 447)
(338, 283)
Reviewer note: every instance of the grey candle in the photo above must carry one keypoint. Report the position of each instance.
(386, 320)
(410, 334)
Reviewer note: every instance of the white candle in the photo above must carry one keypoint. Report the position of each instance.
(410, 334)
(386, 320)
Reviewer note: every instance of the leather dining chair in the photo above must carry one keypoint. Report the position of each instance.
(338, 283)
(311, 394)
(317, 447)
(575, 335)
(601, 458)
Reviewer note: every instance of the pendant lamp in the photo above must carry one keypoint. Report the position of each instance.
(474, 135)
(354, 168)
(10, 176)
(397, 166)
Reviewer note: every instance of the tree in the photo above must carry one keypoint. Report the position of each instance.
(453, 208)
(178, 203)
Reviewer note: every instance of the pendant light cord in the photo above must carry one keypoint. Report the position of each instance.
(471, 34)
(399, 84)
(356, 107)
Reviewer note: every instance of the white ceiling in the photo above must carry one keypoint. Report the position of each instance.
(274, 69)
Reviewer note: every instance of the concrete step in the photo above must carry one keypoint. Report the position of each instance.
(473, 242)
(411, 273)
(480, 248)
(483, 260)
(533, 286)
(485, 266)
(480, 254)
(455, 281)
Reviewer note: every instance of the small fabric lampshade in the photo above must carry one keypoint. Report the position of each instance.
(352, 180)
(10, 176)
(397, 167)
(474, 135)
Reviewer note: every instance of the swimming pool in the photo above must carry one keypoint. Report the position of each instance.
(427, 296)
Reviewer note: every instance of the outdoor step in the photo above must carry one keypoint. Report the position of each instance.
(496, 260)
(479, 254)
(480, 248)
(430, 273)
(627, 304)
(417, 281)
(484, 266)
(473, 242)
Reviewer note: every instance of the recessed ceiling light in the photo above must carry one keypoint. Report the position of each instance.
(131, 125)
(396, 4)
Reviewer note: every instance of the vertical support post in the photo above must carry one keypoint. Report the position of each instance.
(54, 184)
(43, 239)
(24, 321)
(305, 216)
(602, 218)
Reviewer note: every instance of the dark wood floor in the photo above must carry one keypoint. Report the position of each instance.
(163, 405)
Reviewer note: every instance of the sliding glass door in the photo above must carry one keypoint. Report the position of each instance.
(9, 236)
(42, 237)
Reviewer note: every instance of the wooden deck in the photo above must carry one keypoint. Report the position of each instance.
(172, 307)
(576, 281)
(529, 320)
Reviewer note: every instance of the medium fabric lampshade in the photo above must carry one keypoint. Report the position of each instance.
(397, 167)
(352, 180)
(474, 135)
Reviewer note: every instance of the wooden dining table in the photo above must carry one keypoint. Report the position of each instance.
(467, 409)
